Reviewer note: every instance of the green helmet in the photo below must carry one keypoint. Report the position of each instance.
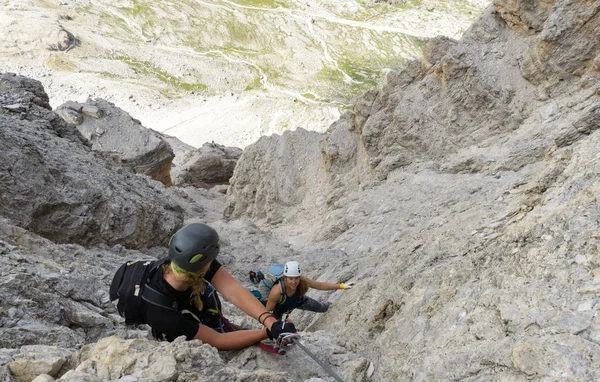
(194, 246)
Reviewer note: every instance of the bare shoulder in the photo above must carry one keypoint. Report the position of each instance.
(276, 289)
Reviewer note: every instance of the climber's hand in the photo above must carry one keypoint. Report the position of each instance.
(346, 285)
(280, 327)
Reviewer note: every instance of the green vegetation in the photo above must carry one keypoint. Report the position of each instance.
(139, 9)
(262, 3)
(358, 71)
(254, 85)
(240, 33)
(458, 7)
(309, 96)
(330, 75)
(387, 6)
(271, 72)
(119, 28)
(110, 75)
(283, 127)
(148, 69)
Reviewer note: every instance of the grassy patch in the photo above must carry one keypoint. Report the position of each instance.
(330, 75)
(138, 9)
(310, 96)
(272, 73)
(145, 15)
(119, 27)
(258, 37)
(262, 3)
(241, 34)
(459, 7)
(110, 75)
(254, 85)
(390, 5)
(358, 71)
(148, 69)
(283, 127)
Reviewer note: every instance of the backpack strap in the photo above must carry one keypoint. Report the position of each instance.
(265, 282)
(153, 296)
(283, 294)
(155, 266)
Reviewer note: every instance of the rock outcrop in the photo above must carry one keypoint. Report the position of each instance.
(210, 165)
(55, 185)
(453, 110)
(114, 132)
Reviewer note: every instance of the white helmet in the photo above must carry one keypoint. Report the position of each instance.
(292, 269)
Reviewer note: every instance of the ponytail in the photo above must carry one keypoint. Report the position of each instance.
(194, 280)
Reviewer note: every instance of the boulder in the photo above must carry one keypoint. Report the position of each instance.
(113, 131)
(210, 165)
(35, 360)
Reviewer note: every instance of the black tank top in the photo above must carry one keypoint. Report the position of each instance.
(290, 303)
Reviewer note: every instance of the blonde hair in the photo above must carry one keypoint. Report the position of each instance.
(194, 280)
(303, 286)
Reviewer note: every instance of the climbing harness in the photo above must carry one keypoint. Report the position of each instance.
(323, 365)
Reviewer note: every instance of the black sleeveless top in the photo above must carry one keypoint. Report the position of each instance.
(290, 303)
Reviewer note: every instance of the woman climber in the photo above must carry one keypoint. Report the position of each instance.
(290, 292)
(183, 278)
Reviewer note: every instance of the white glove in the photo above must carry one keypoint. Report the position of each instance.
(346, 285)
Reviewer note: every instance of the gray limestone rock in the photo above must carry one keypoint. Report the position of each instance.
(566, 47)
(43, 378)
(54, 185)
(470, 234)
(112, 131)
(210, 165)
(524, 16)
(286, 166)
(35, 360)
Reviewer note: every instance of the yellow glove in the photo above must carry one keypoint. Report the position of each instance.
(346, 285)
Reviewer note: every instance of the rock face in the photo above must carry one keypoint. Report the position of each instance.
(453, 110)
(210, 165)
(55, 185)
(49, 296)
(115, 133)
(463, 197)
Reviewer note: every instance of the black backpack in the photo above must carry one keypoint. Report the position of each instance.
(130, 286)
